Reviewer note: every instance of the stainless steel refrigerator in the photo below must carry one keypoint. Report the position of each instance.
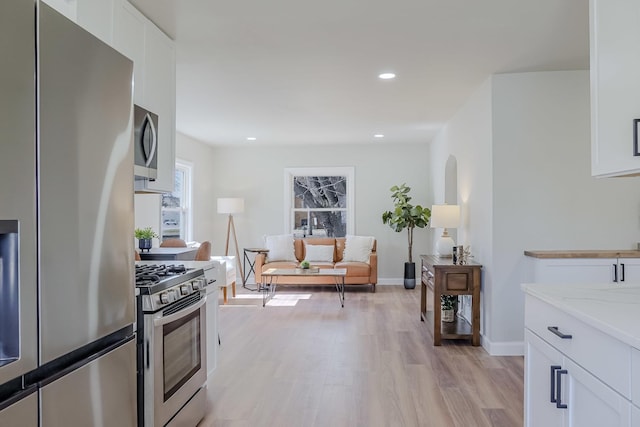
(67, 343)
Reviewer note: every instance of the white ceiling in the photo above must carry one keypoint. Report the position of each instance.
(305, 72)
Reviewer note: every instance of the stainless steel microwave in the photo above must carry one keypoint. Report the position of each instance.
(145, 140)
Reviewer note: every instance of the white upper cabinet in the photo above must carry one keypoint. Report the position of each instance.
(66, 7)
(615, 86)
(123, 27)
(154, 70)
(128, 39)
(160, 97)
(96, 16)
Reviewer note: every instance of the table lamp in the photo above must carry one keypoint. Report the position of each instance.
(231, 206)
(445, 216)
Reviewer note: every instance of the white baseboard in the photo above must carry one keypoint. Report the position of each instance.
(503, 348)
(399, 281)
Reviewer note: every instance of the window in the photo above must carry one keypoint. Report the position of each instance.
(176, 206)
(319, 202)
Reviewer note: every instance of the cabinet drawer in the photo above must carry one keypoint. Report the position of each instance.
(427, 276)
(605, 357)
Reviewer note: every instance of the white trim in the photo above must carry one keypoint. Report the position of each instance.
(348, 171)
(188, 196)
(503, 348)
(186, 199)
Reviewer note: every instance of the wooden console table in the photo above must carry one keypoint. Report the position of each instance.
(439, 276)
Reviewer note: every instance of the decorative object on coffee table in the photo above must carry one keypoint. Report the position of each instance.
(406, 216)
(145, 237)
(305, 268)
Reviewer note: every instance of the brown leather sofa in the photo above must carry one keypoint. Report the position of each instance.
(358, 273)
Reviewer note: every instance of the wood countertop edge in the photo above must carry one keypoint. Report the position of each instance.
(595, 253)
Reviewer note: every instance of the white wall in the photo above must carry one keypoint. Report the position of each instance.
(147, 213)
(544, 195)
(468, 137)
(201, 157)
(257, 174)
(540, 195)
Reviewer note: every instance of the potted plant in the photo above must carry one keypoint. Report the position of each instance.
(406, 216)
(144, 236)
(447, 307)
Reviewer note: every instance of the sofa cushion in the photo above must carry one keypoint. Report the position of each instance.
(355, 269)
(280, 248)
(357, 248)
(321, 253)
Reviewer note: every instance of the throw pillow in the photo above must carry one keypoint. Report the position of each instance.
(318, 253)
(280, 247)
(357, 248)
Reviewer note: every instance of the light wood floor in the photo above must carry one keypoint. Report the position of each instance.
(369, 364)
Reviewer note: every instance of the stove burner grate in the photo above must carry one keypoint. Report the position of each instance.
(149, 274)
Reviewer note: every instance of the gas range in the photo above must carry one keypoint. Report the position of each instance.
(162, 285)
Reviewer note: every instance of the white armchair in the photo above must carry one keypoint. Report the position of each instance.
(227, 275)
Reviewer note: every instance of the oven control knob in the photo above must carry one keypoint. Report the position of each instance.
(164, 298)
(184, 290)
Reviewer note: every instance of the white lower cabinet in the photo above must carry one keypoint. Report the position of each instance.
(586, 270)
(558, 392)
(539, 387)
(575, 374)
(635, 416)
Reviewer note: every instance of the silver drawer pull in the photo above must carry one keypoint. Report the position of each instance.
(555, 330)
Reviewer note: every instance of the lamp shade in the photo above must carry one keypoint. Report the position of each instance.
(230, 205)
(445, 216)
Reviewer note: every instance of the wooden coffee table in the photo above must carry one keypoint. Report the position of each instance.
(270, 280)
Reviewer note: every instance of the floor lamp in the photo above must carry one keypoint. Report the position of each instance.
(232, 206)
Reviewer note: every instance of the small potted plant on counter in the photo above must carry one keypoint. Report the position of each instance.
(447, 307)
(144, 236)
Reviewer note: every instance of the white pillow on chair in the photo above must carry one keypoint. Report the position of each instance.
(357, 248)
(280, 248)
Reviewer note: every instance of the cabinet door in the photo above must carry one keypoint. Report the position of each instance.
(575, 270)
(539, 358)
(590, 402)
(128, 39)
(635, 416)
(160, 97)
(66, 7)
(615, 65)
(629, 270)
(96, 16)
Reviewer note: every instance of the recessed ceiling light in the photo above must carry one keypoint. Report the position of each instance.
(378, 135)
(387, 76)
(251, 138)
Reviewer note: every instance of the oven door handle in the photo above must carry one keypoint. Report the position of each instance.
(175, 316)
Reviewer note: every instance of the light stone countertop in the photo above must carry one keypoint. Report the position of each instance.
(611, 308)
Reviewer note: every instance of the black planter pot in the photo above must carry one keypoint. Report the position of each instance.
(144, 244)
(409, 275)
